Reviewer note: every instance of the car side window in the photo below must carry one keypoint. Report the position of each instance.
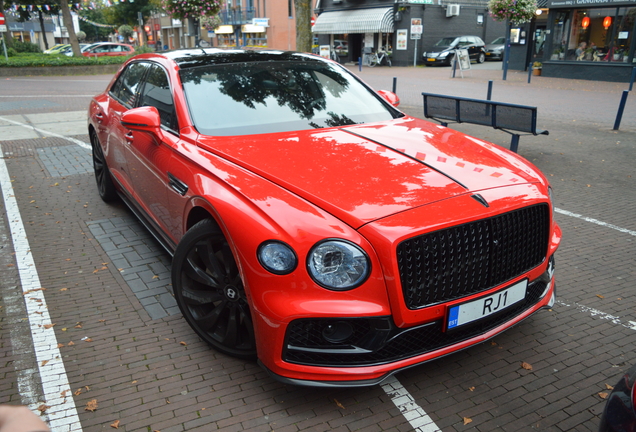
(156, 92)
(126, 89)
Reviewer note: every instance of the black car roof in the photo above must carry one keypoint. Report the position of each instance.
(188, 58)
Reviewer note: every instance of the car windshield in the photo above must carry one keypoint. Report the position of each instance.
(499, 41)
(448, 41)
(266, 97)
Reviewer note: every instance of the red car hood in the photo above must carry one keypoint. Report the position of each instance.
(367, 172)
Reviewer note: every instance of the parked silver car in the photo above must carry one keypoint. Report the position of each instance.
(495, 49)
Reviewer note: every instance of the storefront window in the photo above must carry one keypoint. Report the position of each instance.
(594, 35)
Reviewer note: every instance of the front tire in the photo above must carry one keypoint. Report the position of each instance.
(210, 292)
(481, 58)
(105, 185)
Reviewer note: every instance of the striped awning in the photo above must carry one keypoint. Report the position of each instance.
(377, 20)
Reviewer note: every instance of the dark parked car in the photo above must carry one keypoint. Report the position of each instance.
(620, 413)
(444, 50)
(495, 49)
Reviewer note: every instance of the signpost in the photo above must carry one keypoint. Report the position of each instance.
(3, 29)
(416, 33)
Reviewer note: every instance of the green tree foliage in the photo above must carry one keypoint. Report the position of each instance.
(127, 12)
(95, 33)
(126, 31)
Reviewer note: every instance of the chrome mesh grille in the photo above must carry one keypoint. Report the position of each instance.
(458, 261)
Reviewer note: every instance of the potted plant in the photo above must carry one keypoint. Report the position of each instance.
(536, 68)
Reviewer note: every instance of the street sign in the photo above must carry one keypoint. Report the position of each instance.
(3, 27)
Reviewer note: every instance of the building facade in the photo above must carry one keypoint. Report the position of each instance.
(406, 29)
(590, 39)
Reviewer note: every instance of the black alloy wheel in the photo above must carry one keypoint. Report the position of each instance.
(105, 186)
(210, 293)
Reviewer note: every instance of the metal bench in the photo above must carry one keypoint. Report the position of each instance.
(499, 115)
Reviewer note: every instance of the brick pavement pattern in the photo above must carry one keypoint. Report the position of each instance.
(147, 369)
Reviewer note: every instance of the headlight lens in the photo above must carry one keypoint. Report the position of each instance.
(277, 257)
(444, 54)
(338, 265)
(551, 195)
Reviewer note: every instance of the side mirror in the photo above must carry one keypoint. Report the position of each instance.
(145, 119)
(390, 97)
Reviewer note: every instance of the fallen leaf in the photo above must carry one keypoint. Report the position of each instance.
(339, 404)
(603, 395)
(526, 366)
(71, 343)
(183, 343)
(78, 326)
(134, 382)
(64, 289)
(115, 424)
(599, 296)
(88, 340)
(471, 388)
(91, 405)
(48, 326)
(609, 387)
(467, 420)
(77, 392)
(63, 394)
(44, 362)
(42, 408)
(60, 345)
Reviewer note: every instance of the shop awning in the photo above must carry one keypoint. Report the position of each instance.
(377, 20)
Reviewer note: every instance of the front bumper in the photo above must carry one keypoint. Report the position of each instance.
(377, 349)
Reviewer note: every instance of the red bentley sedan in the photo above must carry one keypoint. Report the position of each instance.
(312, 224)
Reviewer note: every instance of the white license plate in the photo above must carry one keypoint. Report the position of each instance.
(474, 310)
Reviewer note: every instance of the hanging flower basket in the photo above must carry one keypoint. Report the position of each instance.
(181, 9)
(515, 11)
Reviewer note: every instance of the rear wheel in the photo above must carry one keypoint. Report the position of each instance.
(481, 58)
(210, 293)
(373, 60)
(105, 186)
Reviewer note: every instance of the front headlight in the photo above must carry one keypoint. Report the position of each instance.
(277, 257)
(551, 196)
(338, 265)
(443, 54)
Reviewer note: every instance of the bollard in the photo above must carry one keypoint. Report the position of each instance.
(360, 64)
(631, 82)
(489, 94)
(621, 108)
(394, 84)
(454, 65)
(530, 68)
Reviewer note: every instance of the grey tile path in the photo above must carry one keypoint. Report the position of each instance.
(144, 265)
(66, 160)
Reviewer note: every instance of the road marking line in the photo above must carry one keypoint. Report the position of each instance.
(414, 414)
(62, 414)
(47, 133)
(595, 221)
(631, 325)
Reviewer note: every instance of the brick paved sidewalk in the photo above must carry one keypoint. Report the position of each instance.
(107, 280)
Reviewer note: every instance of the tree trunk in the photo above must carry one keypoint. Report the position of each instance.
(68, 23)
(303, 25)
(46, 42)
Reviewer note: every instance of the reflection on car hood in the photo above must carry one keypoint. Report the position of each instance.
(440, 49)
(362, 173)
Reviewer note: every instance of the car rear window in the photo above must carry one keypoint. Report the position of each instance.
(266, 97)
